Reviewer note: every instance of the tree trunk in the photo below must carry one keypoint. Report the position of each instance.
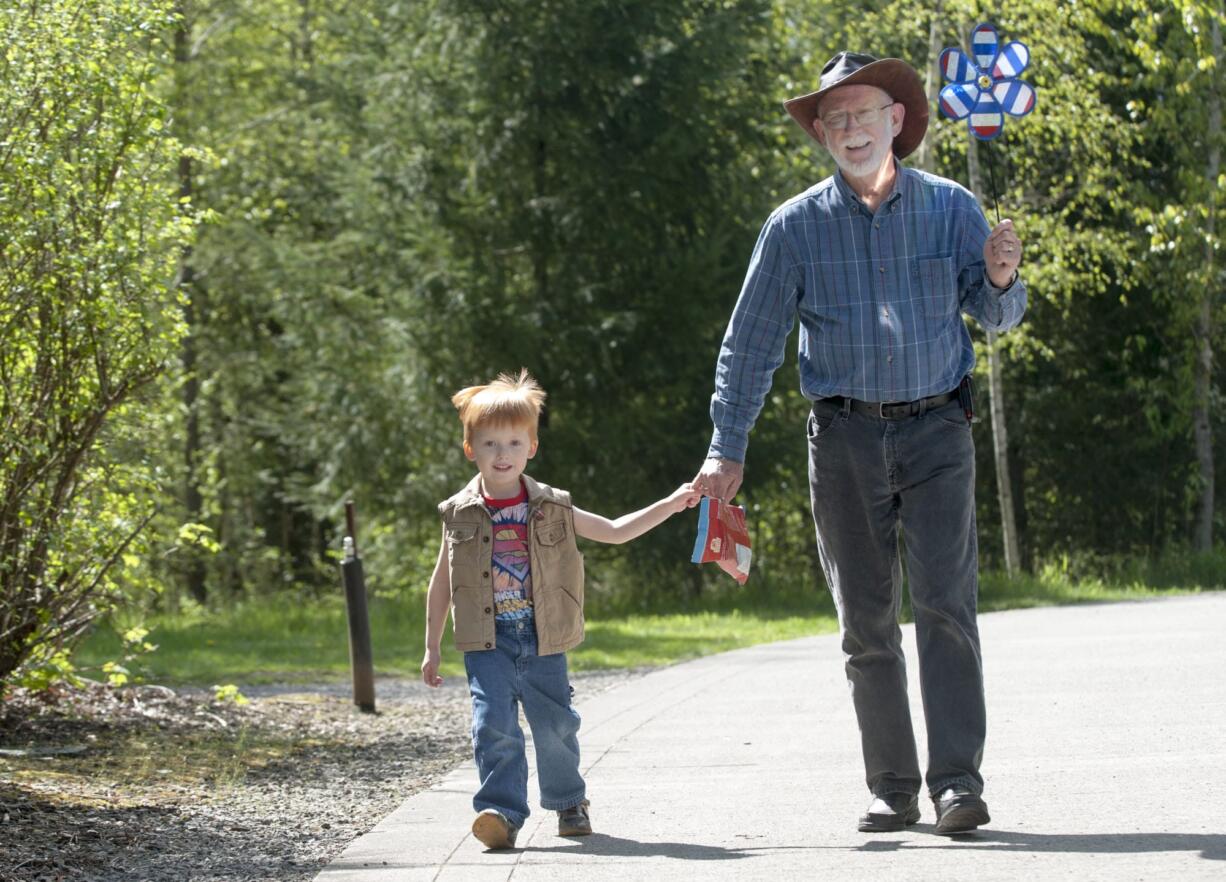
(1203, 367)
(193, 498)
(932, 85)
(996, 392)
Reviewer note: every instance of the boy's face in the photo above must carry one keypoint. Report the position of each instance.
(501, 454)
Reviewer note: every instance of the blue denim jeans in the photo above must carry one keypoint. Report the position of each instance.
(499, 679)
(872, 482)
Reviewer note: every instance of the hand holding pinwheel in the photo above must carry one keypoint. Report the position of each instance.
(1002, 252)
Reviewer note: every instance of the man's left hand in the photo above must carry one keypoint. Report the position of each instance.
(1002, 252)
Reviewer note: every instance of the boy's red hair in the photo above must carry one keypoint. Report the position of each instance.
(506, 401)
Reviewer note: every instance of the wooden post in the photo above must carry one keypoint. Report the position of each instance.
(361, 660)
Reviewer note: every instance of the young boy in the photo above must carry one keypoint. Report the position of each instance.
(512, 575)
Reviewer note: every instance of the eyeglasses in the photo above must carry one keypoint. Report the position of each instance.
(839, 119)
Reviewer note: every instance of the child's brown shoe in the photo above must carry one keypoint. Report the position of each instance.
(494, 830)
(575, 821)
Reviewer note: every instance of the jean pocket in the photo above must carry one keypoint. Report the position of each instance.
(822, 419)
(952, 414)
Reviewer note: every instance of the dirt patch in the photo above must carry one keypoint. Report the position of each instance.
(148, 783)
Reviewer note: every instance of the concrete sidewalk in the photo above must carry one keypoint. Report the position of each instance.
(1106, 760)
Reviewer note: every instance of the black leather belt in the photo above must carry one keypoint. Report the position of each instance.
(892, 410)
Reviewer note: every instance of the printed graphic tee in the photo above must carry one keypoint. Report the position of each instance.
(512, 570)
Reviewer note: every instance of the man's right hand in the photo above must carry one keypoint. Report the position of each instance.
(720, 478)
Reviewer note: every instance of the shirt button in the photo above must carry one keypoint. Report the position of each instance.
(877, 225)
(486, 574)
(485, 538)
(881, 268)
(889, 358)
(885, 311)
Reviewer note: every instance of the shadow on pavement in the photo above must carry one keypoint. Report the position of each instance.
(612, 846)
(1212, 846)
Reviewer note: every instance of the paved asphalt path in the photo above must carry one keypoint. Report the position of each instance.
(1106, 759)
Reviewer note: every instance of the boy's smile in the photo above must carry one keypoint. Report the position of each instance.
(501, 453)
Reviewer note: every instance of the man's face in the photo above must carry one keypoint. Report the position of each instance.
(860, 150)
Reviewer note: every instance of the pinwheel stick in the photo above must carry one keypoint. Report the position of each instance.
(992, 180)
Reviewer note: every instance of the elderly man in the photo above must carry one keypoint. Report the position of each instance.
(879, 262)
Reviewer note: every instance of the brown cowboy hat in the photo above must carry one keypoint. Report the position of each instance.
(895, 77)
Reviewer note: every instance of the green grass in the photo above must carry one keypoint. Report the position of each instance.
(280, 639)
(275, 641)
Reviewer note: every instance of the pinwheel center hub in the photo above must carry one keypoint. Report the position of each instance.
(985, 81)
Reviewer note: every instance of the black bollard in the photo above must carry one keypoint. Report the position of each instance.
(361, 660)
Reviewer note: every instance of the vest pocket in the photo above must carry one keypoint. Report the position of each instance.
(461, 532)
(551, 534)
(467, 620)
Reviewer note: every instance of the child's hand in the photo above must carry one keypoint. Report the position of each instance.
(685, 496)
(429, 669)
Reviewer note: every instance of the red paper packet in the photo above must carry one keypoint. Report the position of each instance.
(723, 538)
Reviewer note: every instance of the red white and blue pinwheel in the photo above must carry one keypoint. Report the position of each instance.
(984, 90)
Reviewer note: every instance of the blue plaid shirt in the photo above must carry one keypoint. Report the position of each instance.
(879, 295)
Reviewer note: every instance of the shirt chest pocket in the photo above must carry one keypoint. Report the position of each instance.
(938, 288)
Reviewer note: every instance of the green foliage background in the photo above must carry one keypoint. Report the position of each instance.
(391, 200)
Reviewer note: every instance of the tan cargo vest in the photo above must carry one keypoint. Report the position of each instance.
(557, 568)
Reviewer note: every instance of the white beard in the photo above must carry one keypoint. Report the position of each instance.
(865, 167)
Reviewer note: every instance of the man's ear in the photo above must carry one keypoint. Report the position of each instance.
(468, 451)
(818, 131)
(898, 112)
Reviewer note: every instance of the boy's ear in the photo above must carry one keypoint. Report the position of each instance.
(532, 449)
(468, 451)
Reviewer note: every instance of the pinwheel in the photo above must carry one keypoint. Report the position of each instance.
(984, 90)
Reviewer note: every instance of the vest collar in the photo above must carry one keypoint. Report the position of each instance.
(471, 494)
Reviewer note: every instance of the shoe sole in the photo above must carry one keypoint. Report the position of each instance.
(963, 819)
(492, 832)
(888, 823)
(576, 831)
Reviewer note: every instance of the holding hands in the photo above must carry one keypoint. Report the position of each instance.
(686, 496)
(1002, 252)
(719, 478)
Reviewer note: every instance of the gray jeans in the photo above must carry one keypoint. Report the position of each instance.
(869, 478)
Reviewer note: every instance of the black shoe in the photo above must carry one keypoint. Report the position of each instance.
(889, 813)
(959, 811)
(575, 821)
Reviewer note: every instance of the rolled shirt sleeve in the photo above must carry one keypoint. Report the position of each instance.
(753, 345)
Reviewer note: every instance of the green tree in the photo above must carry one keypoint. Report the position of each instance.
(1176, 63)
(600, 186)
(90, 228)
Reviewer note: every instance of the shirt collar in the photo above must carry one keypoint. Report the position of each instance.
(853, 201)
(471, 494)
